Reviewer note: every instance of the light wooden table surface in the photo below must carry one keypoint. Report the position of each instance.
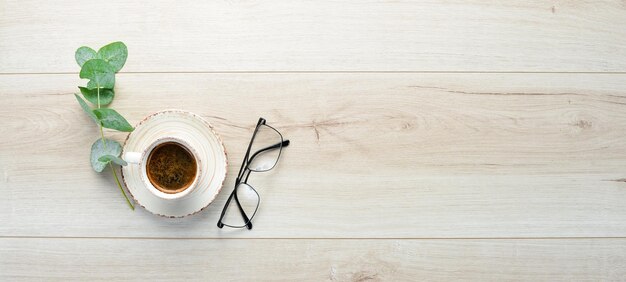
(452, 140)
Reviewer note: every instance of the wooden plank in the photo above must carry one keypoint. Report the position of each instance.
(165, 36)
(313, 260)
(372, 155)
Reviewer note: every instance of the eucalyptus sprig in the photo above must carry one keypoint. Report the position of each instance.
(100, 68)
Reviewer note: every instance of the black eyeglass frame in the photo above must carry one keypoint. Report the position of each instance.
(244, 174)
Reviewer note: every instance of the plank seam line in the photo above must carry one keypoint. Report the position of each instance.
(328, 72)
(310, 238)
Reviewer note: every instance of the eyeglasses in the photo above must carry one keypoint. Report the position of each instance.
(262, 155)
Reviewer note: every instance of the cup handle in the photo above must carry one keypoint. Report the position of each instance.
(132, 157)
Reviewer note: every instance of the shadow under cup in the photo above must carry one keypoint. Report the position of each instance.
(171, 167)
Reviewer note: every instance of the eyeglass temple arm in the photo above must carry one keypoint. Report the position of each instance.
(261, 121)
(275, 146)
(243, 214)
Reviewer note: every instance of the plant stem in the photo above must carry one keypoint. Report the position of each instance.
(110, 164)
(98, 91)
(120, 186)
(102, 135)
(101, 132)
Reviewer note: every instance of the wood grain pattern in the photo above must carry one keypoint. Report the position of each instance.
(430, 140)
(166, 35)
(313, 260)
(372, 155)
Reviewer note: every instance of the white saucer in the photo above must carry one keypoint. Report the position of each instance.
(202, 137)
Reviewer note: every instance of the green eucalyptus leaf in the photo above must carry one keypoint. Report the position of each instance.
(111, 158)
(115, 54)
(99, 149)
(87, 109)
(84, 54)
(112, 119)
(100, 74)
(106, 95)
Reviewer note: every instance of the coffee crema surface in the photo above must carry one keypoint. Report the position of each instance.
(171, 168)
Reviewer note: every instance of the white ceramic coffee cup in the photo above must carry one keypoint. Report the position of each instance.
(141, 159)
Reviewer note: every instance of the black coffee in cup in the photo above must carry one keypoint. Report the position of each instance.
(171, 167)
